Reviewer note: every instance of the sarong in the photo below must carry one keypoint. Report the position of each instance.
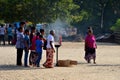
(90, 53)
(32, 58)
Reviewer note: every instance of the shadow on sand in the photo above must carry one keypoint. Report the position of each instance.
(7, 45)
(107, 44)
(98, 65)
(105, 65)
(14, 67)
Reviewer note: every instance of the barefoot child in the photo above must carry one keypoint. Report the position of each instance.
(39, 45)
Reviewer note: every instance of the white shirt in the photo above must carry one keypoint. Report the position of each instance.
(2, 30)
(50, 38)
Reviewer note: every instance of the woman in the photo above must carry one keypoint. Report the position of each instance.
(50, 50)
(32, 47)
(90, 47)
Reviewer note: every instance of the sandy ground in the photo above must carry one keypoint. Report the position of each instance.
(107, 67)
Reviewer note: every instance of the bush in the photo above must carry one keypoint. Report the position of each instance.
(116, 26)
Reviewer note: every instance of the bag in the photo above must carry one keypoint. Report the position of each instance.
(45, 45)
(14, 41)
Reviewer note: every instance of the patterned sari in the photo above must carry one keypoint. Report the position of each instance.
(49, 60)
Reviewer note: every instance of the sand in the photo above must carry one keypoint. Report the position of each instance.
(107, 67)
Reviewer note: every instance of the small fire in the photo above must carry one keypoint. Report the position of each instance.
(60, 40)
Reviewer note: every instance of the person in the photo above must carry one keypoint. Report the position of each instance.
(90, 47)
(89, 28)
(14, 34)
(22, 24)
(2, 34)
(32, 56)
(26, 48)
(32, 34)
(50, 50)
(38, 45)
(10, 34)
(42, 32)
(20, 46)
(17, 26)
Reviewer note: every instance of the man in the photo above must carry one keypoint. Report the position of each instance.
(20, 43)
(20, 46)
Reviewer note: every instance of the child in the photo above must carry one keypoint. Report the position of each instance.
(27, 45)
(42, 32)
(39, 45)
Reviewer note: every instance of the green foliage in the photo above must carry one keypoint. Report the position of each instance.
(116, 26)
(100, 14)
(79, 13)
(36, 10)
(2, 22)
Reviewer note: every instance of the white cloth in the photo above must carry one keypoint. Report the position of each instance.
(20, 40)
(50, 38)
(2, 30)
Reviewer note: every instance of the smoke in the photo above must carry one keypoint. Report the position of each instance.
(60, 28)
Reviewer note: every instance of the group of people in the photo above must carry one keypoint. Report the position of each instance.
(34, 42)
(6, 30)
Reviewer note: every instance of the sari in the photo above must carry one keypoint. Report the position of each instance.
(49, 58)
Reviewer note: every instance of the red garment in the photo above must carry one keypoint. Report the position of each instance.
(90, 41)
(33, 43)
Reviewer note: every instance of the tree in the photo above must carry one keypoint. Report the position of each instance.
(102, 14)
(36, 10)
(116, 26)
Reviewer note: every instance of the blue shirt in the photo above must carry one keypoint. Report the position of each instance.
(27, 40)
(9, 31)
(39, 45)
